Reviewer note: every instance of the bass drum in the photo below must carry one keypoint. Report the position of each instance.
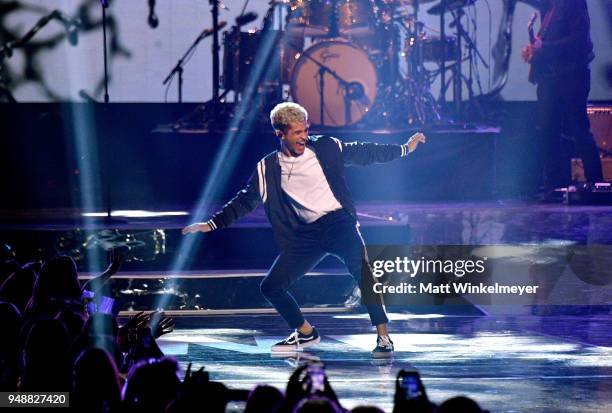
(348, 96)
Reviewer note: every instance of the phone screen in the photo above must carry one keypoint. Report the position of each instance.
(316, 376)
(410, 384)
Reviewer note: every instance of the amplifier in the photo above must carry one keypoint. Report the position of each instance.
(601, 126)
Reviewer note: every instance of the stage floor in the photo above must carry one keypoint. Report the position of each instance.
(508, 364)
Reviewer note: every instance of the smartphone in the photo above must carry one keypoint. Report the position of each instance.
(315, 377)
(409, 383)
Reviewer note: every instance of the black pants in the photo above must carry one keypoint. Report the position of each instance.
(335, 233)
(562, 102)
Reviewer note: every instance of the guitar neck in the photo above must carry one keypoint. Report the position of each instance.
(532, 20)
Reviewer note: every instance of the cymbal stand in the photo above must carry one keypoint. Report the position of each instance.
(472, 48)
(442, 98)
(416, 88)
(473, 54)
(214, 107)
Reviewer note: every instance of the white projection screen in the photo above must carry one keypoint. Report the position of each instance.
(141, 57)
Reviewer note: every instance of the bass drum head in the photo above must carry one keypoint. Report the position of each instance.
(352, 65)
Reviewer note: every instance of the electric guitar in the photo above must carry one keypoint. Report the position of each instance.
(530, 56)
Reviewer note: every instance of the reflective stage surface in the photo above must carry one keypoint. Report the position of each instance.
(507, 363)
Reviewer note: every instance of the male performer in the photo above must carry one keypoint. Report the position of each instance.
(305, 197)
(560, 57)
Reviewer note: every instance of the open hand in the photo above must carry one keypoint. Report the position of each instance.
(136, 322)
(527, 53)
(414, 141)
(197, 227)
(115, 259)
(161, 324)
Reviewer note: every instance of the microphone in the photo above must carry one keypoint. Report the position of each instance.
(207, 32)
(356, 91)
(70, 25)
(153, 20)
(246, 18)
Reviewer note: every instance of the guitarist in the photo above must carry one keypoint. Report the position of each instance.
(560, 55)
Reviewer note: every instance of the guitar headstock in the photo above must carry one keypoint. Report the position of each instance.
(532, 20)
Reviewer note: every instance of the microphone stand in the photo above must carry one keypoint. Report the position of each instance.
(104, 7)
(178, 68)
(106, 150)
(443, 54)
(457, 76)
(322, 94)
(352, 90)
(216, 63)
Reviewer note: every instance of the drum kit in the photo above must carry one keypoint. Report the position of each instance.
(348, 62)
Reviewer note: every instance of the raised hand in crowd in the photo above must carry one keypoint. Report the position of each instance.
(115, 259)
(161, 324)
(137, 321)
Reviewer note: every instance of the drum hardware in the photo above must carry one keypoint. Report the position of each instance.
(417, 84)
(367, 34)
(473, 52)
(421, 48)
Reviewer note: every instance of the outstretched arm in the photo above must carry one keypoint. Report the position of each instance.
(367, 153)
(244, 202)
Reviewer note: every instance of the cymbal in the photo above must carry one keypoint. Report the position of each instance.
(451, 5)
(411, 2)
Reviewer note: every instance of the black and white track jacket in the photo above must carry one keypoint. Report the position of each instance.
(264, 185)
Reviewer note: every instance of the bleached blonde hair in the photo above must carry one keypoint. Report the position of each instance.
(286, 113)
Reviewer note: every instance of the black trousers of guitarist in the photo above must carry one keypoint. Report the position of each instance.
(564, 123)
(564, 81)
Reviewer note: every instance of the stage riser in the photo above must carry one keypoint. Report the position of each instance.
(146, 170)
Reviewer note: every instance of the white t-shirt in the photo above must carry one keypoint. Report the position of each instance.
(303, 180)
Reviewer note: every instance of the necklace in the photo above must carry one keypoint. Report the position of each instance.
(285, 159)
(291, 169)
